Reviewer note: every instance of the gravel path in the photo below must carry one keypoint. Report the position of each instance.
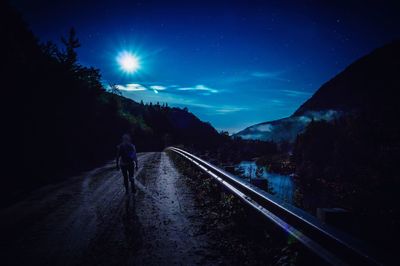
(88, 220)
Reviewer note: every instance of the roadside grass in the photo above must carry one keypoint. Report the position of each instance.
(237, 232)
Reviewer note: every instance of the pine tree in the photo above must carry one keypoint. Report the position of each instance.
(69, 56)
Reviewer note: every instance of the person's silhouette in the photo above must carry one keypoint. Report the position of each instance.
(127, 161)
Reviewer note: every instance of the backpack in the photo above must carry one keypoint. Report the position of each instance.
(127, 153)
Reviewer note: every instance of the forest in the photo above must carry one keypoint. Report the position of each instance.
(61, 119)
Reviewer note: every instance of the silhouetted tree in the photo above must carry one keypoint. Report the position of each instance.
(114, 89)
(70, 57)
(63, 120)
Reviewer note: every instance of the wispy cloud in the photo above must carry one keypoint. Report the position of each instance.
(200, 88)
(131, 87)
(229, 109)
(176, 95)
(170, 96)
(216, 109)
(276, 102)
(296, 93)
(158, 87)
(246, 76)
(172, 89)
(272, 75)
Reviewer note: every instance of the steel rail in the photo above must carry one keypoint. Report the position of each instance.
(333, 246)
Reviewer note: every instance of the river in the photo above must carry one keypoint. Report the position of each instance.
(282, 186)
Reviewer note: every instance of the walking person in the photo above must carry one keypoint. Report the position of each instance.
(127, 162)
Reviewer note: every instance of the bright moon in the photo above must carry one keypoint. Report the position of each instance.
(128, 62)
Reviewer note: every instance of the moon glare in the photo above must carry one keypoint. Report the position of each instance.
(128, 62)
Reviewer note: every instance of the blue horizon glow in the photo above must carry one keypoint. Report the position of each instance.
(233, 64)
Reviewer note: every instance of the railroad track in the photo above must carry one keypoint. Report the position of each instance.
(332, 246)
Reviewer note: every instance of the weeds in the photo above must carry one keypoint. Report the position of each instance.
(239, 234)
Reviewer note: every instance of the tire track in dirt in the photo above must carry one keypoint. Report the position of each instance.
(56, 224)
(166, 231)
(89, 220)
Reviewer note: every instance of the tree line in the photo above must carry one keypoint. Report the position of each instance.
(60, 119)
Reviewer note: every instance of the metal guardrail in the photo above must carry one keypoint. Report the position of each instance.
(332, 246)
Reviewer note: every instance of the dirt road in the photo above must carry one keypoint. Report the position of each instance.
(89, 220)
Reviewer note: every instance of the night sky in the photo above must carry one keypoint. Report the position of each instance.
(231, 63)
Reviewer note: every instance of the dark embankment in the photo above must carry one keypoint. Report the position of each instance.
(352, 161)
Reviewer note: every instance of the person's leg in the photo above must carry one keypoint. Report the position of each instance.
(124, 170)
(131, 172)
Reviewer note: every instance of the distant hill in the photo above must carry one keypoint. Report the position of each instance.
(353, 161)
(367, 85)
(346, 146)
(285, 129)
(156, 126)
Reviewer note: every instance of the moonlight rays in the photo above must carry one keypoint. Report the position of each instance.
(128, 62)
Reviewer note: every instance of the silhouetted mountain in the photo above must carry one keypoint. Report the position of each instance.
(366, 93)
(368, 85)
(352, 162)
(346, 145)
